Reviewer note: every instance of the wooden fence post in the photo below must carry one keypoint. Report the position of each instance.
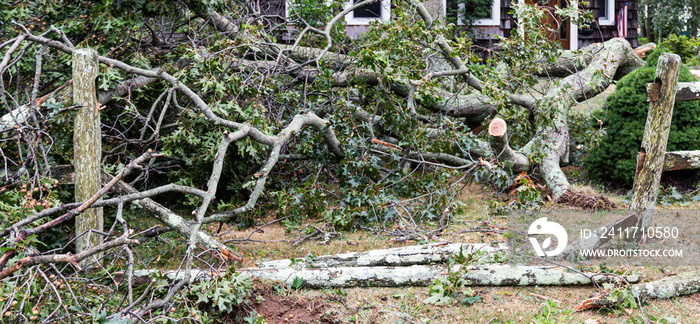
(650, 162)
(87, 144)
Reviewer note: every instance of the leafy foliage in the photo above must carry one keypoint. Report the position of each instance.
(584, 136)
(240, 78)
(551, 313)
(455, 286)
(662, 18)
(688, 48)
(224, 294)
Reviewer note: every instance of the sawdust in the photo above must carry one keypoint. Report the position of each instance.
(586, 201)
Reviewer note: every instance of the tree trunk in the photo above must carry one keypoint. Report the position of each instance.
(416, 275)
(87, 142)
(586, 83)
(423, 275)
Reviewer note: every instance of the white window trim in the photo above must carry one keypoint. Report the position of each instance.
(573, 33)
(495, 19)
(385, 14)
(610, 19)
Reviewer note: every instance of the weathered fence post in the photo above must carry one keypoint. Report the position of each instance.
(87, 150)
(650, 162)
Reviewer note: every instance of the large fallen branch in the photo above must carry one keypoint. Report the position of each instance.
(407, 266)
(63, 95)
(682, 160)
(669, 287)
(586, 83)
(423, 275)
(174, 221)
(415, 275)
(401, 256)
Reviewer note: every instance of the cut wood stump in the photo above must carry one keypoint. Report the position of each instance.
(516, 161)
(497, 127)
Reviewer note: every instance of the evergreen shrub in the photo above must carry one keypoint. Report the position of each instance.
(614, 158)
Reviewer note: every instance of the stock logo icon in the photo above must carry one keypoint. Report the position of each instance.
(542, 227)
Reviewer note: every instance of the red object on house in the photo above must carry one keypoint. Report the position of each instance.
(621, 20)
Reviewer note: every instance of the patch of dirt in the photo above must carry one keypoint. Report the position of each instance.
(281, 309)
(683, 180)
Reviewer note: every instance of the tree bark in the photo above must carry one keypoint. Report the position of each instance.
(87, 142)
(682, 160)
(586, 83)
(423, 275)
(679, 285)
(401, 256)
(569, 63)
(662, 96)
(416, 275)
(687, 91)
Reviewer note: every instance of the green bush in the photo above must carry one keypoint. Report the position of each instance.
(687, 48)
(615, 156)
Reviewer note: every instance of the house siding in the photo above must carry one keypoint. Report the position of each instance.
(597, 33)
(486, 36)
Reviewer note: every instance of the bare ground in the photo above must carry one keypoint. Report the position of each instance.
(406, 305)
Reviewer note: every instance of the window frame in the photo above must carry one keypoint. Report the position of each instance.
(385, 14)
(494, 20)
(609, 20)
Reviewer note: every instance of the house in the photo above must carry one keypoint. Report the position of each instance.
(495, 20)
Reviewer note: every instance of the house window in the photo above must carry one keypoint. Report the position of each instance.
(489, 17)
(606, 12)
(368, 13)
(373, 10)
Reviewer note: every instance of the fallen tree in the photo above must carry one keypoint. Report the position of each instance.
(402, 276)
(401, 256)
(234, 122)
(418, 275)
